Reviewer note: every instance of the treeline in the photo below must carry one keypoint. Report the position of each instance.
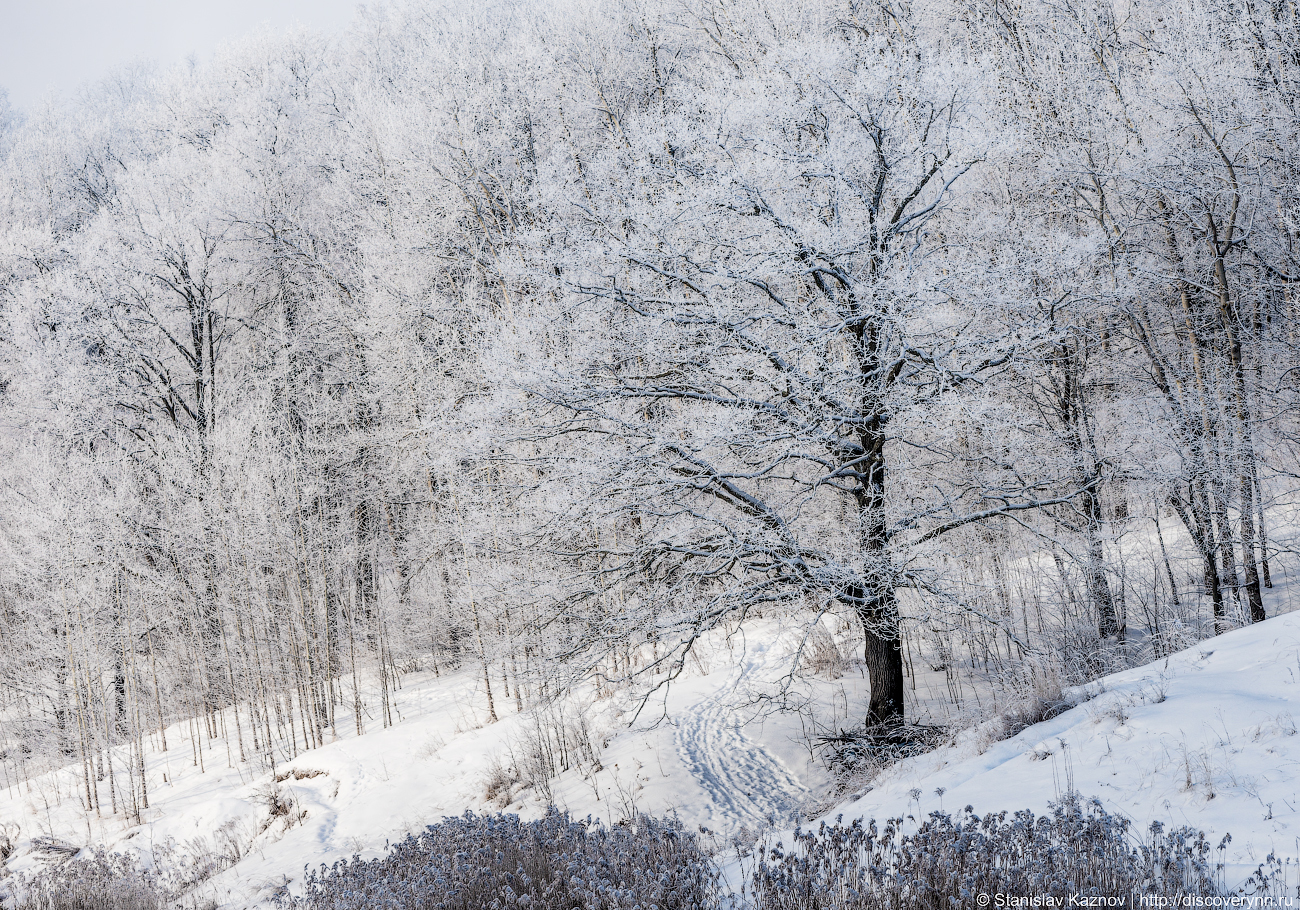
(542, 341)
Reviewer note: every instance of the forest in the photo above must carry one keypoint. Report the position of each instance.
(545, 340)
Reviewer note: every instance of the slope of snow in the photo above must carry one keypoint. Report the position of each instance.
(1206, 737)
(705, 748)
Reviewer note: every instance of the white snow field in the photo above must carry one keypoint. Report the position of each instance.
(705, 748)
(1206, 737)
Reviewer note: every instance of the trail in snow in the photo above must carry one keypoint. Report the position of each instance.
(744, 780)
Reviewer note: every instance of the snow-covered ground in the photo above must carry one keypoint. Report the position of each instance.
(710, 748)
(1207, 737)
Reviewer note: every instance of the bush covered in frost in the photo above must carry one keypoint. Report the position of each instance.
(1078, 848)
(99, 881)
(496, 862)
(493, 862)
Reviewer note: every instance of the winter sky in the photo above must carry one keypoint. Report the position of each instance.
(57, 45)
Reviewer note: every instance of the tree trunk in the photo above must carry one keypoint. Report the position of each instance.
(1229, 320)
(884, 658)
(1195, 516)
(1263, 534)
(1254, 595)
(876, 601)
(1164, 553)
(1216, 593)
(1108, 625)
(1074, 414)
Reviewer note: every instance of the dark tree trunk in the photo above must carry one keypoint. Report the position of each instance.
(884, 657)
(335, 614)
(63, 714)
(1216, 593)
(878, 613)
(367, 586)
(1194, 512)
(1254, 595)
(876, 601)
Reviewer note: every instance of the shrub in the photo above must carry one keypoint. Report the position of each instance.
(493, 862)
(856, 756)
(1035, 709)
(1078, 848)
(100, 881)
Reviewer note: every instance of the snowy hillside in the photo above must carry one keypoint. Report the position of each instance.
(1206, 737)
(705, 748)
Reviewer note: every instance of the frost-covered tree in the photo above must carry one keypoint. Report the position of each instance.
(772, 319)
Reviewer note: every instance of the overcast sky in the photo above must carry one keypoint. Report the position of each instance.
(56, 45)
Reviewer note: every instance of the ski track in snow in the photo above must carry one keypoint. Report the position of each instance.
(744, 780)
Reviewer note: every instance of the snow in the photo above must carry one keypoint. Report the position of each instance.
(1206, 737)
(703, 748)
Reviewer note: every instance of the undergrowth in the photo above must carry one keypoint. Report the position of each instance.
(492, 862)
(495, 862)
(100, 881)
(94, 879)
(1076, 849)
